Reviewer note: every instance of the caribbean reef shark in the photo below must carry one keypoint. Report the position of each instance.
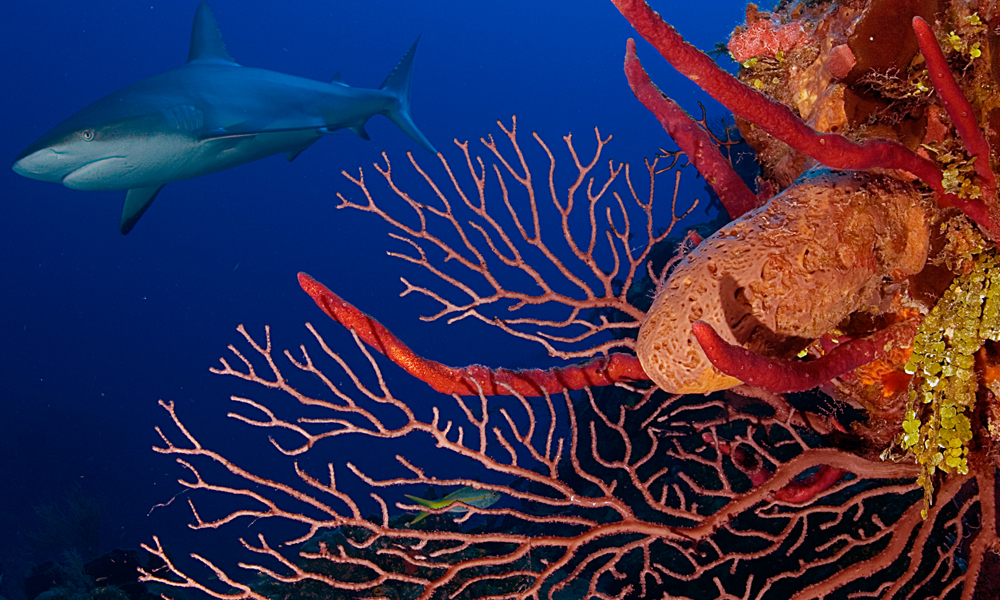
(207, 115)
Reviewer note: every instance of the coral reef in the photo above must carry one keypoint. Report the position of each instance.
(111, 576)
(869, 278)
(72, 523)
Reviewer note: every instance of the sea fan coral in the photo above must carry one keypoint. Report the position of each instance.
(872, 280)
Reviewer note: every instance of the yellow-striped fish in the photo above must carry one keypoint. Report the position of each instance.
(468, 495)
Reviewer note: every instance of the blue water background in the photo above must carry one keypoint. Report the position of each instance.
(96, 327)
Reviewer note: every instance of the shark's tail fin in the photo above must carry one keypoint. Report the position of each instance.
(398, 83)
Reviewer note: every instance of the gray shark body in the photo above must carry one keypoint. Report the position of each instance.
(207, 115)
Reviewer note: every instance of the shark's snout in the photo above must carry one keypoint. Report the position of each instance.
(45, 165)
(73, 171)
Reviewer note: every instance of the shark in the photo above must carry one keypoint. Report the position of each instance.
(207, 115)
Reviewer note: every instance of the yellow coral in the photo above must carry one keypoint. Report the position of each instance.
(955, 41)
(936, 428)
(957, 172)
(974, 26)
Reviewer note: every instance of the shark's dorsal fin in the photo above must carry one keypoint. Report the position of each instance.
(398, 80)
(206, 39)
(338, 79)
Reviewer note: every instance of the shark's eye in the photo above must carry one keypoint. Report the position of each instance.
(88, 134)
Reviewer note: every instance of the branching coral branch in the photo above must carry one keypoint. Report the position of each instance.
(619, 495)
(483, 241)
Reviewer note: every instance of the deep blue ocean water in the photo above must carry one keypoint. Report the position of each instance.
(96, 326)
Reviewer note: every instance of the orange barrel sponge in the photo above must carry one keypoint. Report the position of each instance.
(785, 273)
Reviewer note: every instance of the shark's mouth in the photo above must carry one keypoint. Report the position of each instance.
(98, 175)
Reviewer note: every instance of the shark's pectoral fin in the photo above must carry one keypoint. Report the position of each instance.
(359, 130)
(136, 203)
(294, 153)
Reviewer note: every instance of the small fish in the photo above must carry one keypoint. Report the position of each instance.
(467, 495)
